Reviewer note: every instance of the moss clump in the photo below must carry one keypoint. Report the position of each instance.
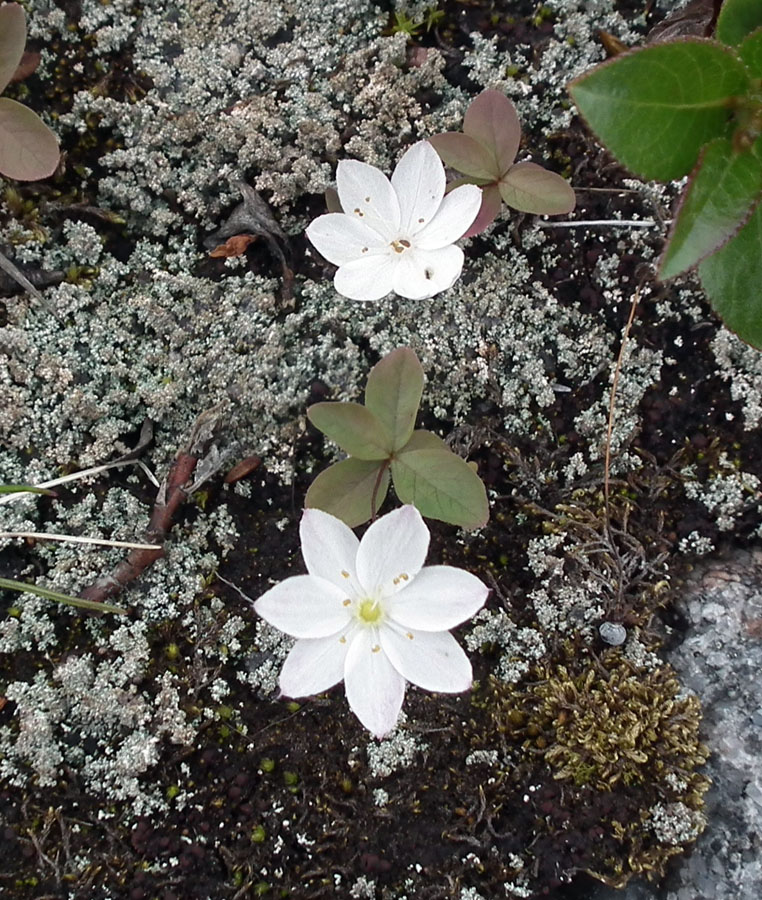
(598, 747)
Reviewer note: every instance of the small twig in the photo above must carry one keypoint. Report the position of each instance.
(174, 491)
(73, 539)
(620, 223)
(18, 276)
(609, 433)
(146, 436)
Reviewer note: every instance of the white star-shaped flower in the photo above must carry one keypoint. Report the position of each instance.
(396, 235)
(370, 614)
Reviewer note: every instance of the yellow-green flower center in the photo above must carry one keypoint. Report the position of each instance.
(369, 612)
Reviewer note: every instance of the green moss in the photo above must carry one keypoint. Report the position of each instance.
(602, 742)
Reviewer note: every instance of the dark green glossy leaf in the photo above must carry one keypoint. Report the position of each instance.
(719, 198)
(530, 188)
(732, 277)
(465, 154)
(493, 121)
(750, 52)
(345, 490)
(354, 428)
(738, 18)
(393, 394)
(441, 485)
(656, 107)
(90, 605)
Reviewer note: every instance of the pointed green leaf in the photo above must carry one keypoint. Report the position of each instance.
(24, 489)
(28, 148)
(530, 188)
(750, 52)
(492, 119)
(12, 41)
(731, 278)
(719, 198)
(465, 154)
(738, 18)
(354, 428)
(655, 107)
(345, 490)
(393, 394)
(442, 486)
(90, 605)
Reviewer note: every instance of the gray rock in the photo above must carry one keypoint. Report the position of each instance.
(720, 659)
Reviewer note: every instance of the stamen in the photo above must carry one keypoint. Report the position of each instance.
(405, 243)
(347, 602)
(367, 199)
(358, 212)
(428, 273)
(344, 573)
(375, 649)
(420, 221)
(342, 639)
(409, 636)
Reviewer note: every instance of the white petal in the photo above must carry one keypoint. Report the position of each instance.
(313, 666)
(366, 193)
(329, 548)
(369, 278)
(305, 606)
(423, 273)
(437, 599)
(453, 219)
(393, 549)
(432, 660)
(341, 238)
(375, 689)
(419, 181)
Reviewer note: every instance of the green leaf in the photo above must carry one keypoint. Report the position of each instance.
(655, 107)
(530, 188)
(393, 394)
(731, 278)
(421, 439)
(91, 605)
(12, 41)
(738, 18)
(441, 485)
(24, 489)
(488, 211)
(465, 154)
(354, 428)
(493, 121)
(345, 490)
(750, 52)
(28, 148)
(719, 198)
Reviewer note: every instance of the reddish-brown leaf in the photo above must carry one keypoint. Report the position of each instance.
(233, 246)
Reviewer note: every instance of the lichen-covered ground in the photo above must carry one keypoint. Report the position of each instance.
(148, 756)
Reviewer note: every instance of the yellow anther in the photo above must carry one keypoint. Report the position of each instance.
(344, 573)
(375, 649)
(347, 602)
(342, 639)
(409, 635)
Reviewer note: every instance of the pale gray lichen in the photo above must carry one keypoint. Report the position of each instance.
(398, 750)
(675, 823)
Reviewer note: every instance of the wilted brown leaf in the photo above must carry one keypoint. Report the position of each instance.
(233, 246)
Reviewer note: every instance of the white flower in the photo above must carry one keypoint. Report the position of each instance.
(396, 235)
(368, 613)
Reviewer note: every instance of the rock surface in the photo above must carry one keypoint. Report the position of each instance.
(720, 659)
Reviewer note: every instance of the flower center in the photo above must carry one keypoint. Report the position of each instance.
(369, 612)
(400, 246)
